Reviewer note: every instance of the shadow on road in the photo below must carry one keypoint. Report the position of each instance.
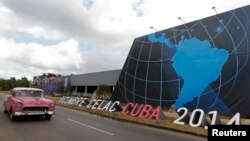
(29, 119)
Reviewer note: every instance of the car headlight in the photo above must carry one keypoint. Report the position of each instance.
(19, 104)
(52, 104)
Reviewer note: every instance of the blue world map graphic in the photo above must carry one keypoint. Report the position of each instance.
(202, 64)
(197, 62)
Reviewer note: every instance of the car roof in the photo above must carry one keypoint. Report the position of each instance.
(26, 88)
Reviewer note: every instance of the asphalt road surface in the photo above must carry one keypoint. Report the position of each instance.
(71, 125)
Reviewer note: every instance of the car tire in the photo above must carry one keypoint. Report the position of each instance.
(5, 111)
(12, 116)
(48, 117)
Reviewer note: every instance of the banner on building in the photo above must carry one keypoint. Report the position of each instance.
(202, 64)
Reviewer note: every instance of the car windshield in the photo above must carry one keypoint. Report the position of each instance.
(29, 93)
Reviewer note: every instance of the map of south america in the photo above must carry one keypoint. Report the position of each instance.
(197, 62)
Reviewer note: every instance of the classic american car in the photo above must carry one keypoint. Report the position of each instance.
(27, 102)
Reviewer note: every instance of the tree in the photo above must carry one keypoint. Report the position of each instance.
(13, 82)
(2, 82)
(7, 84)
(51, 75)
(23, 82)
(103, 90)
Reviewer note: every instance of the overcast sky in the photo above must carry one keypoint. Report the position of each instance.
(81, 36)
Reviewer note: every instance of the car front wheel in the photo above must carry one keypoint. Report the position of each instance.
(5, 111)
(12, 116)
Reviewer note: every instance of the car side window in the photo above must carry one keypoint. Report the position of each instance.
(16, 93)
(13, 94)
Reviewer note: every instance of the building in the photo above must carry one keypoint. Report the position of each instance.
(203, 64)
(86, 84)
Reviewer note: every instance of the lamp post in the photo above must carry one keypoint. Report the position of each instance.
(214, 10)
(181, 20)
(153, 28)
(185, 24)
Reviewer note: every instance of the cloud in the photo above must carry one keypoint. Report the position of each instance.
(82, 36)
(88, 4)
(138, 8)
(40, 32)
(31, 58)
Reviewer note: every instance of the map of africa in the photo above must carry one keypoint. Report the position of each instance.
(197, 62)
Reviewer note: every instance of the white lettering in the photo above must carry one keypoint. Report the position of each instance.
(97, 102)
(101, 105)
(84, 102)
(215, 131)
(62, 99)
(90, 103)
(243, 133)
(106, 107)
(114, 106)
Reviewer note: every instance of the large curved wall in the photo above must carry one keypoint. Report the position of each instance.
(203, 64)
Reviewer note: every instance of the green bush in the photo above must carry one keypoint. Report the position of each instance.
(103, 91)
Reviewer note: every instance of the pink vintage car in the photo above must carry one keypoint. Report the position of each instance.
(28, 101)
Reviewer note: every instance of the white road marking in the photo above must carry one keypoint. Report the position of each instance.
(91, 127)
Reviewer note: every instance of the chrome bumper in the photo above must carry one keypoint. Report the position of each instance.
(34, 113)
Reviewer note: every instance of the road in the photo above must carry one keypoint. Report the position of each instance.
(72, 125)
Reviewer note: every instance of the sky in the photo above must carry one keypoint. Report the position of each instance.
(82, 36)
